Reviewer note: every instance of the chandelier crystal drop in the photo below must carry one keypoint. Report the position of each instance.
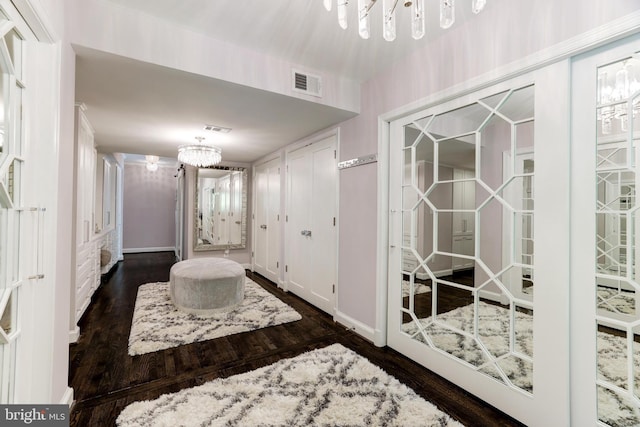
(389, 7)
(447, 13)
(200, 154)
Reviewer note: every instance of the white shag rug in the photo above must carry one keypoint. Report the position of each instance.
(158, 325)
(613, 409)
(418, 288)
(332, 386)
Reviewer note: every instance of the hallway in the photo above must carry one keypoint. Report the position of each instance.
(105, 378)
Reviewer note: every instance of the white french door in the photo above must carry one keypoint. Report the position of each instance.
(605, 288)
(311, 234)
(266, 259)
(479, 327)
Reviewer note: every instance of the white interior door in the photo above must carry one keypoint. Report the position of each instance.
(179, 214)
(267, 231)
(235, 208)
(605, 288)
(519, 218)
(468, 325)
(311, 223)
(222, 204)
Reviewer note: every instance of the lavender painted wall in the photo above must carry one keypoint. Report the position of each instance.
(149, 203)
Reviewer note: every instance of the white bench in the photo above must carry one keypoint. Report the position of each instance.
(206, 285)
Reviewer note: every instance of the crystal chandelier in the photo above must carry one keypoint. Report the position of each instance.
(447, 15)
(618, 90)
(200, 154)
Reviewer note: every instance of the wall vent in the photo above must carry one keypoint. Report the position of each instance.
(307, 83)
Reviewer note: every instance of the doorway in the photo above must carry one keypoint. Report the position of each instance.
(311, 220)
(267, 231)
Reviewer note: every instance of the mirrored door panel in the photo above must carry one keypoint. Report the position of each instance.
(617, 241)
(467, 215)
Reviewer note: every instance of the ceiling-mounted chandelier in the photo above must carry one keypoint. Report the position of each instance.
(447, 15)
(618, 93)
(200, 154)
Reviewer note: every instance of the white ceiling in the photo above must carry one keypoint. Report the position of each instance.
(141, 108)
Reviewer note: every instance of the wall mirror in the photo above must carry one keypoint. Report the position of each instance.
(467, 234)
(617, 284)
(220, 208)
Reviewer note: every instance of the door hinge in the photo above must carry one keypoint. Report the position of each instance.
(278, 171)
(334, 221)
(278, 217)
(251, 254)
(286, 218)
(334, 288)
(286, 268)
(334, 154)
(277, 264)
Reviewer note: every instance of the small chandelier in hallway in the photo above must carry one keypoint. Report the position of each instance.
(389, 7)
(200, 154)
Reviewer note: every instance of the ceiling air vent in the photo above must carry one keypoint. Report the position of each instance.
(214, 128)
(307, 83)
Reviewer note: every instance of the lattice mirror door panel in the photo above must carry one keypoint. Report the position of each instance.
(617, 241)
(468, 237)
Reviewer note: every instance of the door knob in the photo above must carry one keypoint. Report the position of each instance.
(263, 226)
(306, 233)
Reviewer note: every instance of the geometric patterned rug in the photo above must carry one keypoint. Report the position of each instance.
(493, 330)
(418, 288)
(158, 325)
(613, 409)
(616, 300)
(332, 386)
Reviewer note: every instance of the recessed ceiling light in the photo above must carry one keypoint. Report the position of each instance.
(214, 128)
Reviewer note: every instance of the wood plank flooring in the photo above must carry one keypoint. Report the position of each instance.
(105, 378)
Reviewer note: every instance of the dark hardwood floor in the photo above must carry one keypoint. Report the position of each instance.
(105, 378)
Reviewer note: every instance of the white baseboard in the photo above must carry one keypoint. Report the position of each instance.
(74, 334)
(494, 296)
(144, 250)
(67, 397)
(358, 327)
(441, 273)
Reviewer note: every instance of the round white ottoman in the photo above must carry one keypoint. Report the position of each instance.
(206, 285)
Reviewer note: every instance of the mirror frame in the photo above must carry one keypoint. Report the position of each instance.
(243, 226)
